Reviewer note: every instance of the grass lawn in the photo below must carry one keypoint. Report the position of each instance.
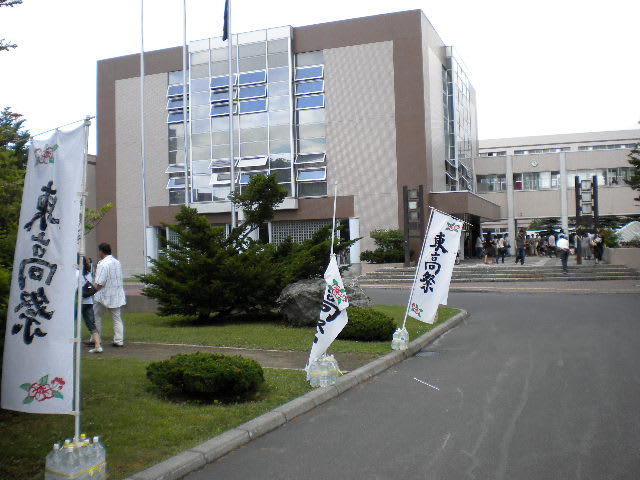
(148, 327)
(139, 428)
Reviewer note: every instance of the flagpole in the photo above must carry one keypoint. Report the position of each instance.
(231, 82)
(415, 275)
(81, 255)
(333, 224)
(185, 143)
(142, 141)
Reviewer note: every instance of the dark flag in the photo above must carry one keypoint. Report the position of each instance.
(225, 28)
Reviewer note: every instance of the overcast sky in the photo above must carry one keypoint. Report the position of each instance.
(538, 68)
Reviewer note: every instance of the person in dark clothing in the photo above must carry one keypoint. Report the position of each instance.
(521, 244)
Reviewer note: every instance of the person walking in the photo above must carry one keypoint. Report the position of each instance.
(562, 247)
(552, 245)
(521, 244)
(479, 246)
(502, 249)
(489, 249)
(598, 246)
(87, 307)
(110, 293)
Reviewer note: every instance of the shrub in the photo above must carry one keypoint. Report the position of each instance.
(367, 325)
(390, 245)
(207, 377)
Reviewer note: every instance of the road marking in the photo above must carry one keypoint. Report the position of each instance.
(427, 384)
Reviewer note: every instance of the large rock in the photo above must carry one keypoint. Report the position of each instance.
(300, 302)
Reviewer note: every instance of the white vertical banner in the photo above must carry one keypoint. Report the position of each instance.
(38, 367)
(433, 275)
(333, 313)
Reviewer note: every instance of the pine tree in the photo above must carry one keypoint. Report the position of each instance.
(634, 160)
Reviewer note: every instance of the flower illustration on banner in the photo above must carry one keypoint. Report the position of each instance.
(46, 155)
(415, 308)
(340, 294)
(453, 227)
(43, 390)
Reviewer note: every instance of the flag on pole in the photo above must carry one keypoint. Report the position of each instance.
(38, 373)
(433, 276)
(225, 26)
(333, 312)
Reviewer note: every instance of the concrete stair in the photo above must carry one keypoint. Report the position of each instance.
(507, 272)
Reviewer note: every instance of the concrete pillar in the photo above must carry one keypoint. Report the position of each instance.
(564, 206)
(354, 253)
(511, 222)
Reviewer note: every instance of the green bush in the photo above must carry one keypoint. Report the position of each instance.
(390, 245)
(367, 325)
(207, 377)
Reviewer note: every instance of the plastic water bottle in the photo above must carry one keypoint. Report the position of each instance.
(52, 463)
(400, 339)
(100, 459)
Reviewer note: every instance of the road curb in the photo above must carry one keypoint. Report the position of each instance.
(197, 457)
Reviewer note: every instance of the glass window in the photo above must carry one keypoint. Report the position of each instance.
(278, 60)
(175, 182)
(176, 196)
(278, 74)
(177, 156)
(311, 145)
(310, 58)
(312, 189)
(176, 77)
(252, 162)
(200, 167)
(283, 175)
(252, 37)
(199, 98)
(517, 181)
(222, 68)
(221, 54)
(220, 193)
(253, 77)
(279, 103)
(220, 124)
(311, 116)
(199, 84)
(252, 106)
(531, 180)
(220, 151)
(275, 46)
(254, 134)
(309, 73)
(200, 71)
(252, 49)
(280, 161)
(200, 57)
(223, 178)
(200, 111)
(310, 158)
(253, 149)
(176, 143)
(175, 117)
(200, 126)
(200, 181)
(312, 101)
(253, 63)
(312, 130)
(174, 103)
(281, 117)
(175, 168)
(219, 109)
(279, 146)
(312, 175)
(201, 153)
(176, 130)
(253, 92)
(304, 88)
(175, 90)
(555, 179)
(280, 132)
(220, 164)
(245, 177)
(222, 95)
(278, 89)
(222, 82)
(253, 120)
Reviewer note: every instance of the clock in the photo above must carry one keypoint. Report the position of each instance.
(534, 163)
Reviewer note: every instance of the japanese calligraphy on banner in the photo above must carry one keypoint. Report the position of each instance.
(333, 313)
(431, 285)
(37, 373)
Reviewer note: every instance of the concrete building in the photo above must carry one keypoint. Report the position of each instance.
(533, 177)
(375, 104)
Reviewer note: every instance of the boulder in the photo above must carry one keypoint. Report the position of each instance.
(300, 302)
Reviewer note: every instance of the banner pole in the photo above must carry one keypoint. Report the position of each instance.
(333, 224)
(415, 275)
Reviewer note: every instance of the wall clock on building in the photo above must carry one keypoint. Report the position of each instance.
(534, 163)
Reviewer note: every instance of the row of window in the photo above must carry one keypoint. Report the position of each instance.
(243, 178)
(550, 180)
(538, 151)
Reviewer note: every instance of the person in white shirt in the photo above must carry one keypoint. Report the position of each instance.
(110, 293)
(562, 247)
(87, 307)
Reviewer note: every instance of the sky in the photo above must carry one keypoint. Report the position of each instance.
(538, 68)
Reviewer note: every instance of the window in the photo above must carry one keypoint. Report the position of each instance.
(310, 58)
(245, 177)
(174, 90)
(222, 82)
(175, 168)
(174, 117)
(221, 109)
(253, 106)
(222, 95)
(517, 181)
(305, 88)
(252, 78)
(309, 73)
(310, 158)
(312, 101)
(531, 180)
(174, 103)
(252, 162)
(175, 182)
(491, 183)
(312, 175)
(312, 189)
(220, 179)
(253, 92)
